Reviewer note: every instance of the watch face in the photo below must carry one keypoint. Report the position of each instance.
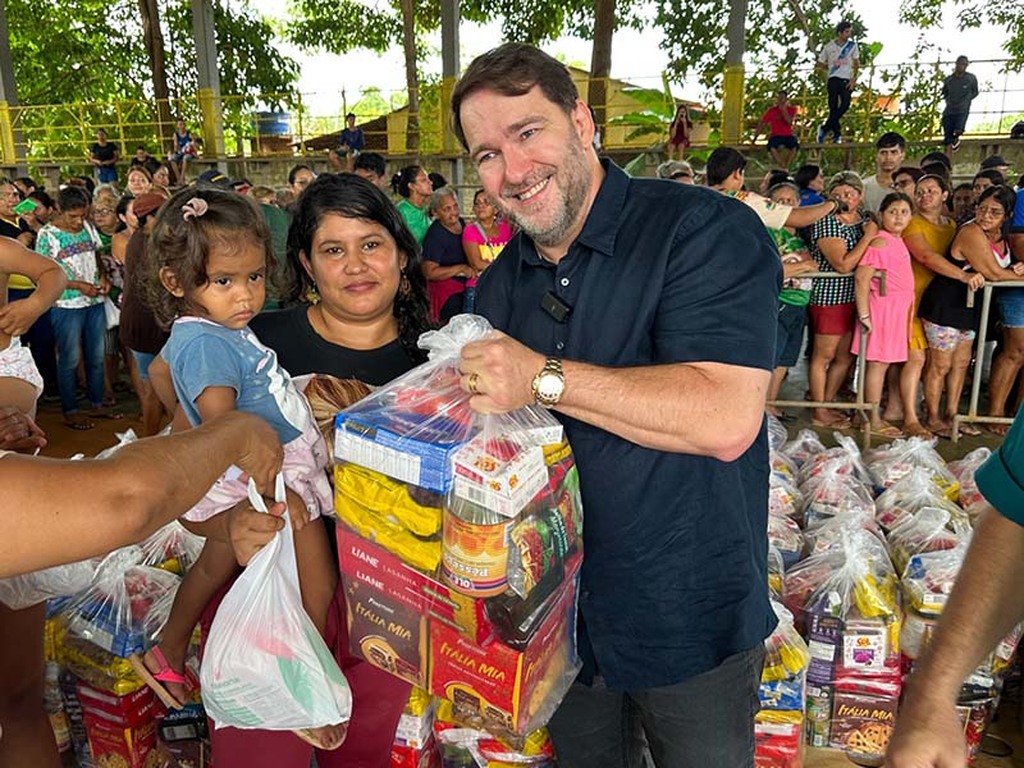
(550, 385)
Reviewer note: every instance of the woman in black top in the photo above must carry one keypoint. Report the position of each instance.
(950, 326)
(353, 253)
(444, 259)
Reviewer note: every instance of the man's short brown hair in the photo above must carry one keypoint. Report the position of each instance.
(513, 69)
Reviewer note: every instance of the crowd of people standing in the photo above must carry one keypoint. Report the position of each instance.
(650, 312)
(934, 241)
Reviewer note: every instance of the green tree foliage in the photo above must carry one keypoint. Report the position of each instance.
(347, 25)
(249, 63)
(79, 50)
(85, 55)
(782, 42)
(971, 14)
(340, 27)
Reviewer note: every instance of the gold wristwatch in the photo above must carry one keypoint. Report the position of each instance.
(549, 384)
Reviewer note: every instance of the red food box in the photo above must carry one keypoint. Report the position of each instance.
(496, 686)
(114, 745)
(410, 757)
(778, 744)
(363, 561)
(127, 711)
(862, 724)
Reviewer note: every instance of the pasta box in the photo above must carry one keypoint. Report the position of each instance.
(501, 689)
(362, 561)
(386, 632)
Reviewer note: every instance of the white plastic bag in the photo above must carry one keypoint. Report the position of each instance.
(266, 666)
(29, 589)
(111, 312)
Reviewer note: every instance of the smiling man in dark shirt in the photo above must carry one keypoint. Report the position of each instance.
(644, 314)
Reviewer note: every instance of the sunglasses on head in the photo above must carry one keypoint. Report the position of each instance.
(681, 175)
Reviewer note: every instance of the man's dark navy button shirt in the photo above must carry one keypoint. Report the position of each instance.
(675, 545)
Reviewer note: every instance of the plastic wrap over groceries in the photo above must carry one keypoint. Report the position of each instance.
(970, 497)
(928, 530)
(125, 606)
(265, 665)
(805, 445)
(913, 492)
(777, 434)
(846, 601)
(30, 589)
(891, 462)
(461, 541)
(779, 726)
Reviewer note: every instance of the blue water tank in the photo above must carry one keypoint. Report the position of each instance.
(272, 123)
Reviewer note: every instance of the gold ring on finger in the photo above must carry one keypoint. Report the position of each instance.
(474, 380)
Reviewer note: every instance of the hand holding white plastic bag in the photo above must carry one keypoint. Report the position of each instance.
(265, 666)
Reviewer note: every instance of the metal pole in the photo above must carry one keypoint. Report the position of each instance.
(869, 410)
(986, 303)
(979, 363)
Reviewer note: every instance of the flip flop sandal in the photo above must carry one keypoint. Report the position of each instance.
(888, 431)
(843, 423)
(918, 431)
(970, 431)
(307, 735)
(80, 423)
(156, 679)
(104, 413)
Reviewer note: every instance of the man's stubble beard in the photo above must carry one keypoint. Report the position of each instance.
(577, 177)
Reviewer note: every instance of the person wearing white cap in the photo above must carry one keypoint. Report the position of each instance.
(676, 170)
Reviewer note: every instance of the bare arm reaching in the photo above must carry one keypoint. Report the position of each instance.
(16, 317)
(62, 511)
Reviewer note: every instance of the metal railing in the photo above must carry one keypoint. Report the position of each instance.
(972, 416)
(62, 133)
(868, 410)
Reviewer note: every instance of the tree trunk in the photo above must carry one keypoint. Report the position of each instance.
(412, 140)
(732, 101)
(601, 61)
(154, 41)
(735, 32)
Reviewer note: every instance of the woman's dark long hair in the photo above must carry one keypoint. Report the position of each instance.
(353, 197)
(400, 181)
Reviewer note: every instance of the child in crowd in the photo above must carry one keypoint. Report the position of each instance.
(78, 318)
(211, 253)
(885, 318)
(794, 296)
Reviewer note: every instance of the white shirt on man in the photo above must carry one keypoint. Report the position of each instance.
(839, 58)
